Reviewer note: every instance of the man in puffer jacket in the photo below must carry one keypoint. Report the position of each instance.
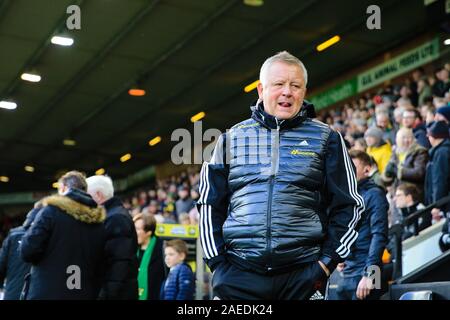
(65, 245)
(278, 207)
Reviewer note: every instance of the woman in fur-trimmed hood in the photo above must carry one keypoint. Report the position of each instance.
(65, 244)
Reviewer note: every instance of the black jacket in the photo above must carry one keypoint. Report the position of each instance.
(270, 209)
(420, 133)
(444, 240)
(437, 178)
(12, 267)
(373, 233)
(422, 223)
(65, 246)
(121, 265)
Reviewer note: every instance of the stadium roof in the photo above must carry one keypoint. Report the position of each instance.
(188, 55)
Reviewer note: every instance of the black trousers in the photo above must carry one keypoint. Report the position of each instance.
(232, 283)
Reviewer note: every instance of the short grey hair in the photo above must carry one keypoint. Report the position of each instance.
(382, 114)
(102, 184)
(284, 57)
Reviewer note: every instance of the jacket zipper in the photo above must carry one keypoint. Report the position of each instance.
(273, 173)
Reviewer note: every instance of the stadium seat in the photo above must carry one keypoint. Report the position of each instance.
(417, 295)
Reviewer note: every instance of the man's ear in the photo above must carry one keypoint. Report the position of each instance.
(260, 91)
(99, 196)
(409, 198)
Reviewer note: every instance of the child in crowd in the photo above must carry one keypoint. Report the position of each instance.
(180, 283)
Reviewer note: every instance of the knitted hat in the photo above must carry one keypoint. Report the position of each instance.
(445, 111)
(374, 132)
(438, 130)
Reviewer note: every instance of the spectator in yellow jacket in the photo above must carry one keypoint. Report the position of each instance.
(379, 149)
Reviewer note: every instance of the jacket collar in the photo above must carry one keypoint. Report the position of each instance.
(366, 183)
(446, 142)
(77, 204)
(408, 210)
(271, 122)
(111, 203)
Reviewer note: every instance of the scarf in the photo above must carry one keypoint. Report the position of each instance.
(143, 269)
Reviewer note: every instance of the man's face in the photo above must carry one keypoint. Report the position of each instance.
(404, 91)
(152, 208)
(284, 90)
(440, 117)
(382, 122)
(142, 235)
(433, 141)
(371, 141)
(183, 193)
(400, 199)
(408, 119)
(362, 170)
(442, 75)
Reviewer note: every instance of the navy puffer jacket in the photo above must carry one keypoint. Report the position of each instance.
(180, 284)
(269, 205)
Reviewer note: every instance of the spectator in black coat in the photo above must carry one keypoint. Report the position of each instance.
(442, 85)
(12, 266)
(65, 245)
(120, 279)
(437, 178)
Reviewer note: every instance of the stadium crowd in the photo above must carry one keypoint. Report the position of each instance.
(403, 127)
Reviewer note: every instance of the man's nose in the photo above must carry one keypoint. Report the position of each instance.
(286, 91)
